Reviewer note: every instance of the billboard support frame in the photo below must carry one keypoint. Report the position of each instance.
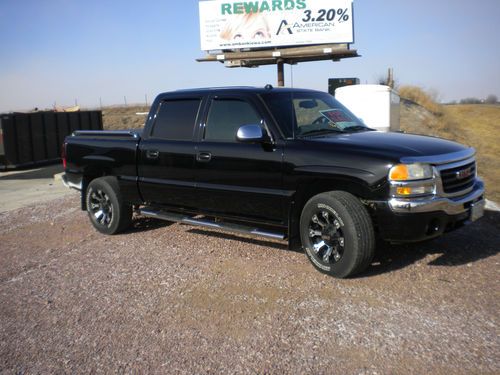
(281, 56)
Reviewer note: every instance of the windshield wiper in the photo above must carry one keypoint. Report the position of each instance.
(319, 132)
(356, 128)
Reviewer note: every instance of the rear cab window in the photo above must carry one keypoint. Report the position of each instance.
(175, 119)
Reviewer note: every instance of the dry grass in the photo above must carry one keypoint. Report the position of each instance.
(476, 125)
(116, 118)
(419, 96)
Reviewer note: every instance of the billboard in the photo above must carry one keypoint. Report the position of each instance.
(235, 24)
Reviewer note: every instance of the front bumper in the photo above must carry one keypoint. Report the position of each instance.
(412, 220)
(450, 206)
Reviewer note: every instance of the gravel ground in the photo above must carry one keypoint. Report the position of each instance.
(170, 298)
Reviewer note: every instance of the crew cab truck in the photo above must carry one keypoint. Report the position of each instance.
(283, 163)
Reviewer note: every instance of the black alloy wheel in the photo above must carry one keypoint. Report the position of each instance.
(100, 206)
(326, 236)
(107, 211)
(337, 233)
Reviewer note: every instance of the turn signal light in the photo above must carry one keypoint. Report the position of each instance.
(399, 173)
(407, 191)
(404, 191)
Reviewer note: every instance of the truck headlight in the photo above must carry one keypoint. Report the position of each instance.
(409, 180)
(410, 172)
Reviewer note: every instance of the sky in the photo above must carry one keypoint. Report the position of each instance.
(88, 52)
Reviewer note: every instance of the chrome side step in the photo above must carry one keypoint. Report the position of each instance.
(171, 216)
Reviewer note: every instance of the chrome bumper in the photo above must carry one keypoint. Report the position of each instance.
(451, 206)
(70, 184)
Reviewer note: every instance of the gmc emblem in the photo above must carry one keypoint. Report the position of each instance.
(464, 173)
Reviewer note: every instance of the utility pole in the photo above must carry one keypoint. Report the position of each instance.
(390, 78)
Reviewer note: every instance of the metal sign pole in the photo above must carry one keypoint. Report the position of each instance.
(281, 72)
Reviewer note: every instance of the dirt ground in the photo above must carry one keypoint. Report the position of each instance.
(169, 298)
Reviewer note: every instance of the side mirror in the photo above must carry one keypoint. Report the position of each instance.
(252, 134)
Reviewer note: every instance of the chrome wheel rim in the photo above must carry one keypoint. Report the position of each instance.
(326, 237)
(100, 207)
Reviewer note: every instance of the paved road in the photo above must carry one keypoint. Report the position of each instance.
(22, 188)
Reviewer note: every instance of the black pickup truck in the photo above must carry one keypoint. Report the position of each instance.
(283, 163)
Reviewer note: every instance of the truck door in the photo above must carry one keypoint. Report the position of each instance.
(233, 178)
(167, 154)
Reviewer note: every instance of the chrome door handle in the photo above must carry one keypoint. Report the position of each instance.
(204, 157)
(152, 154)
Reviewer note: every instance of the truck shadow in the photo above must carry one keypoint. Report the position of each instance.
(144, 224)
(466, 245)
(241, 238)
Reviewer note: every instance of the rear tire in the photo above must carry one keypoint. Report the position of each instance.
(105, 207)
(337, 234)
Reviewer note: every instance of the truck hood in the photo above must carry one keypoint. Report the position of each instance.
(389, 145)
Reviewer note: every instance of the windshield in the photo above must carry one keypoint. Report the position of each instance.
(302, 114)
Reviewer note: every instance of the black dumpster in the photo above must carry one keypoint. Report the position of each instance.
(30, 139)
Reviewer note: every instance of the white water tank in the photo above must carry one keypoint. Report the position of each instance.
(376, 105)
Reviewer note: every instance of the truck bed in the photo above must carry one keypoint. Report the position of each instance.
(114, 153)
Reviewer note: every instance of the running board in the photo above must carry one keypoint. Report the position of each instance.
(170, 216)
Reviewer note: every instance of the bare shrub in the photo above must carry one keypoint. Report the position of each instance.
(491, 99)
(470, 101)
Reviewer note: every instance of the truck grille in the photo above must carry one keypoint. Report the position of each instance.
(458, 179)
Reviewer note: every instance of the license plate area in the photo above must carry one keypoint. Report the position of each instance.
(477, 210)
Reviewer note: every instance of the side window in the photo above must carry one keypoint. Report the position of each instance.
(226, 116)
(175, 119)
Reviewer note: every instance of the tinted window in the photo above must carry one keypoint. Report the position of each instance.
(226, 116)
(175, 119)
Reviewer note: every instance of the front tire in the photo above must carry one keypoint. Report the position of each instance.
(337, 234)
(105, 207)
